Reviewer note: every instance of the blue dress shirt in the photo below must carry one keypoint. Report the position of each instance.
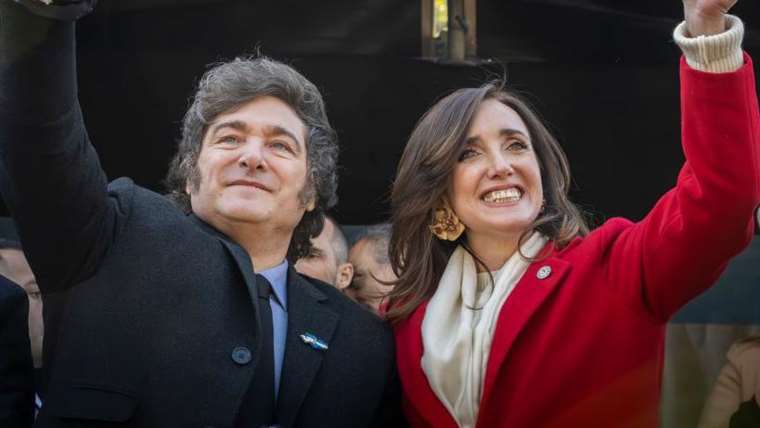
(278, 301)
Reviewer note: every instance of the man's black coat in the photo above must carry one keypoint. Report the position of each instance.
(147, 309)
(16, 372)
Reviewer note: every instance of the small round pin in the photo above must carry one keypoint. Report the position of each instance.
(544, 272)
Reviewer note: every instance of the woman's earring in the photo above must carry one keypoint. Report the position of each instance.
(446, 224)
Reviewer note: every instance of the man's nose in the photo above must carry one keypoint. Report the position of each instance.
(251, 156)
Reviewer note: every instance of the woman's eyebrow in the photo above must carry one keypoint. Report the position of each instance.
(508, 132)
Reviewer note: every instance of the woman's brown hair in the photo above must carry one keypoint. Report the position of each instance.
(418, 258)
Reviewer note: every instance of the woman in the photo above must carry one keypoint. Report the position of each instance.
(509, 314)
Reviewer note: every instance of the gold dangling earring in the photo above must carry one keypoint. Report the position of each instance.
(446, 224)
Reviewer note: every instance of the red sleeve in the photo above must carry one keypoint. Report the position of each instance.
(681, 247)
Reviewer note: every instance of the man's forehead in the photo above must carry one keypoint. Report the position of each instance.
(328, 230)
(13, 255)
(322, 243)
(362, 249)
(13, 263)
(265, 114)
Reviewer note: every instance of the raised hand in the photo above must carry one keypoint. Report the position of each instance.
(706, 17)
(69, 10)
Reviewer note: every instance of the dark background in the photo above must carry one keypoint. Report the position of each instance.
(603, 74)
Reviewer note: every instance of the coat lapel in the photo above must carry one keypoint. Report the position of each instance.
(531, 292)
(306, 314)
(243, 262)
(418, 396)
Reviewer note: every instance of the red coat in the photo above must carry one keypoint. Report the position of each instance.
(583, 347)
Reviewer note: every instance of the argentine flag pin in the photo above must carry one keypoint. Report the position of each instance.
(314, 341)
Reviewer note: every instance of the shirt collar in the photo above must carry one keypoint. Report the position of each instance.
(278, 277)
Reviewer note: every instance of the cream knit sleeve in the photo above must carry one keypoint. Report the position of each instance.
(719, 53)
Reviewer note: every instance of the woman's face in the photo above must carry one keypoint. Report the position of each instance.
(496, 186)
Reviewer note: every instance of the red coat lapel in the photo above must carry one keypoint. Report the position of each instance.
(538, 283)
(422, 407)
(421, 404)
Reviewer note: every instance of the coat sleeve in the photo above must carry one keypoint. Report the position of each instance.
(50, 175)
(683, 244)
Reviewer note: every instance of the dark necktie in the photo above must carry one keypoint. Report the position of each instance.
(258, 405)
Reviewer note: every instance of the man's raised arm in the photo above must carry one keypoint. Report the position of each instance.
(51, 178)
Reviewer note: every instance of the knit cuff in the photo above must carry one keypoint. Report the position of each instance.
(719, 53)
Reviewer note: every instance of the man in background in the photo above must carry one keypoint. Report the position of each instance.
(16, 371)
(15, 267)
(372, 268)
(328, 259)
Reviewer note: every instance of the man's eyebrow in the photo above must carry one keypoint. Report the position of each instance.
(237, 125)
(276, 130)
(269, 130)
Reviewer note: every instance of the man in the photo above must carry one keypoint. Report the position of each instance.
(160, 314)
(372, 268)
(16, 380)
(328, 259)
(15, 267)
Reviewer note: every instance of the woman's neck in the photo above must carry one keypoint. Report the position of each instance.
(492, 250)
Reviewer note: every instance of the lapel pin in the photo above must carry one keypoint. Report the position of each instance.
(544, 272)
(314, 341)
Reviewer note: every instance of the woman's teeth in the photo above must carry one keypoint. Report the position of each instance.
(500, 196)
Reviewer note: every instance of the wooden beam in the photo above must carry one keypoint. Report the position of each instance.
(471, 14)
(457, 27)
(428, 46)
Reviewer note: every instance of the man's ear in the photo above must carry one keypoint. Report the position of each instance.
(344, 276)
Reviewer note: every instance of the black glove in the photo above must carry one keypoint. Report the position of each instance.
(62, 10)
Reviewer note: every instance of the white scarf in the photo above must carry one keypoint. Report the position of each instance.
(457, 339)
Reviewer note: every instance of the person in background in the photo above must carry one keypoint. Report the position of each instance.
(328, 259)
(734, 401)
(16, 369)
(508, 312)
(372, 269)
(14, 266)
(700, 335)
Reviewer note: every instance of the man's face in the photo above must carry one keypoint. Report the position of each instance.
(253, 168)
(367, 272)
(322, 263)
(13, 265)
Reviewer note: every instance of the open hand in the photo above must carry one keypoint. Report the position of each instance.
(706, 17)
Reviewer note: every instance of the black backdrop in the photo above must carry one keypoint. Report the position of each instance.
(602, 73)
